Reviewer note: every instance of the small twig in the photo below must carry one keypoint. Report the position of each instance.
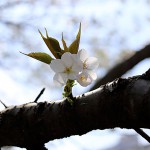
(42, 91)
(143, 134)
(4, 104)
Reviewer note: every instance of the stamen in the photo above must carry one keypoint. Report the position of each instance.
(84, 65)
(68, 70)
(82, 78)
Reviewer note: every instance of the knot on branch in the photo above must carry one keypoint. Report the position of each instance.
(116, 84)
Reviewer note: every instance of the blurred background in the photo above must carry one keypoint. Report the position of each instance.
(112, 30)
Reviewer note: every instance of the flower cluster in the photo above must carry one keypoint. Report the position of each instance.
(79, 67)
(69, 63)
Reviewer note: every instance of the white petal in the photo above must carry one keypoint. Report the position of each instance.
(64, 77)
(92, 63)
(57, 65)
(84, 80)
(77, 63)
(82, 54)
(72, 76)
(92, 74)
(74, 56)
(77, 68)
(59, 79)
(67, 59)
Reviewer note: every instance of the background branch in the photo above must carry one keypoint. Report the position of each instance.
(121, 68)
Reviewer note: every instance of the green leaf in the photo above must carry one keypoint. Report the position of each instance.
(43, 57)
(64, 44)
(73, 48)
(52, 44)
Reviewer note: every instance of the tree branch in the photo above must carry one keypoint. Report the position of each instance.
(143, 134)
(121, 68)
(123, 103)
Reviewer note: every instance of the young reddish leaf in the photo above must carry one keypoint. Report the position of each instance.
(73, 48)
(64, 44)
(52, 44)
(43, 57)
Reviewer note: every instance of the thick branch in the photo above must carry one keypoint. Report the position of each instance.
(121, 68)
(123, 103)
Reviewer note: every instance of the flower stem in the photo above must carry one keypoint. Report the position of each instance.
(68, 91)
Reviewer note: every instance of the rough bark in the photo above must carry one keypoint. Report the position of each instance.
(123, 103)
(121, 68)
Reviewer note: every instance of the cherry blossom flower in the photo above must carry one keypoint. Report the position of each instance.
(88, 65)
(65, 68)
(78, 67)
(84, 79)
